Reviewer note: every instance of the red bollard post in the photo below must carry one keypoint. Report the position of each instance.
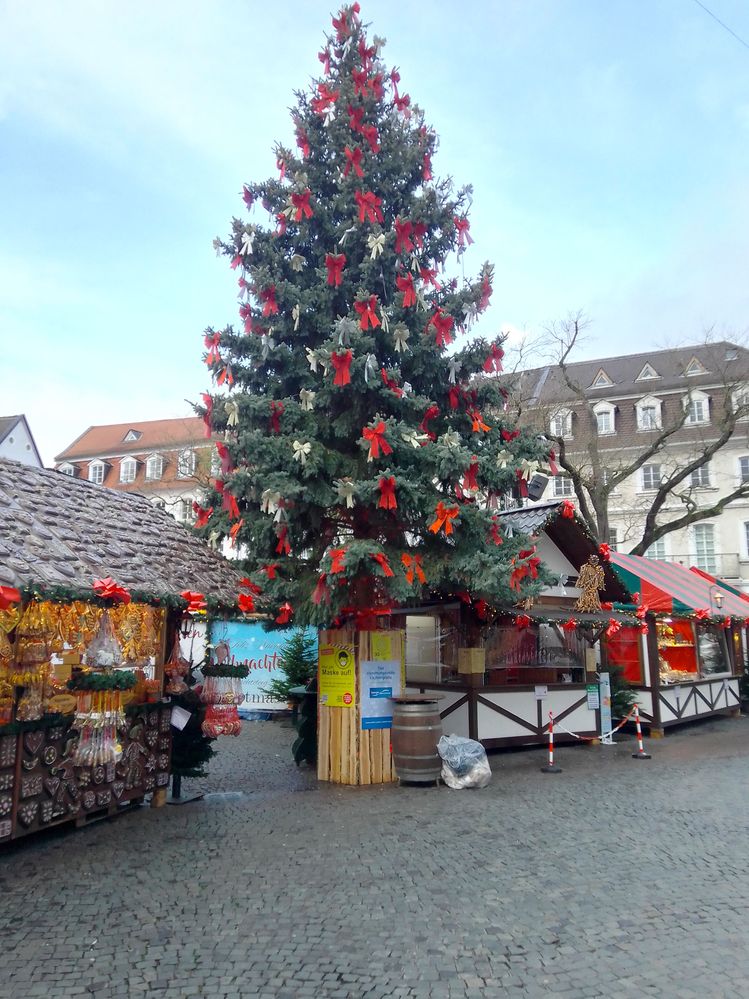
(550, 768)
(640, 754)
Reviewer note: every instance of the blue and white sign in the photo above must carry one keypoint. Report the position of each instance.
(380, 682)
(247, 643)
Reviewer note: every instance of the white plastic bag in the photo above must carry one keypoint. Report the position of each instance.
(464, 762)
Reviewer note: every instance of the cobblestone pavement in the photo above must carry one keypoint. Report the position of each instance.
(616, 878)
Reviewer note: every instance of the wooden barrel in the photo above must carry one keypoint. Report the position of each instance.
(417, 728)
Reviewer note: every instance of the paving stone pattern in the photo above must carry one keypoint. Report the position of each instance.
(616, 878)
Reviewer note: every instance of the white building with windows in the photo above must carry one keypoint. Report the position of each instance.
(170, 461)
(633, 399)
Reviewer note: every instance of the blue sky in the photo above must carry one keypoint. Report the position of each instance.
(607, 143)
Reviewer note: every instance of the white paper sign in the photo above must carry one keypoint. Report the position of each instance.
(180, 717)
(541, 692)
(380, 682)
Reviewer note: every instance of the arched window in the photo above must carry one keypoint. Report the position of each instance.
(96, 472)
(605, 418)
(154, 467)
(648, 413)
(697, 405)
(128, 470)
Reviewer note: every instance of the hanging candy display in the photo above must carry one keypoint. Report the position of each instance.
(222, 692)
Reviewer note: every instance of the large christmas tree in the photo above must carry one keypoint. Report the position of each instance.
(363, 462)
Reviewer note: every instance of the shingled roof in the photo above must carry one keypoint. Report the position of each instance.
(56, 530)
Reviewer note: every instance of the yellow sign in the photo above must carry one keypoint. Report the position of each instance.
(381, 644)
(337, 682)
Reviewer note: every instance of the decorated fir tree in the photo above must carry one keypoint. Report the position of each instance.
(364, 458)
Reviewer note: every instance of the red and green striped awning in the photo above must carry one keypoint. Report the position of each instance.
(668, 586)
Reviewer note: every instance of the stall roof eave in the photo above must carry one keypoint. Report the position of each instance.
(672, 588)
(57, 531)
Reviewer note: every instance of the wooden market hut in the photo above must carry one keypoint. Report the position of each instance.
(57, 536)
(532, 660)
(689, 664)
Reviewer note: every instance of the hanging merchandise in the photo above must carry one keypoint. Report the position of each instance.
(590, 581)
(222, 692)
(176, 669)
(99, 715)
(104, 651)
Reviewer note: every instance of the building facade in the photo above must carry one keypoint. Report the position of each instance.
(17, 442)
(169, 461)
(677, 404)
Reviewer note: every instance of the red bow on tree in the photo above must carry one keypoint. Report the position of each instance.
(376, 88)
(372, 136)
(247, 196)
(444, 516)
(342, 366)
(9, 595)
(429, 276)
(366, 53)
(245, 313)
(568, 509)
(202, 516)
(228, 502)
(494, 360)
(403, 231)
(386, 486)
(553, 462)
(353, 161)
(401, 103)
(406, 285)
(382, 560)
(390, 383)
(522, 621)
(495, 532)
(426, 167)
(463, 226)
(604, 551)
(270, 570)
(486, 293)
(302, 142)
(276, 412)
(109, 590)
(326, 99)
(369, 206)
(280, 224)
(285, 613)
(477, 422)
(226, 376)
(431, 413)
(377, 443)
(412, 565)
(340, 23)
(211, 341)
(613, 628)
(246, 603)
(337, 556)
(324, 58)
(208, 403)
(335, 262)
(268, 298)
(509, 435)
(281, 164)
(359, 76)
(469, 479)
(419, 232)
(453, 396)
(283, 547)
(236, 527)
(247, 584)
(367, 315)
(226, 463)
(356, 117)
(443, 324)
(321, 592)
(301, 204)
(195, 601)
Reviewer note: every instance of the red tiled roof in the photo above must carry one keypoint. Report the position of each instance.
(155, 434)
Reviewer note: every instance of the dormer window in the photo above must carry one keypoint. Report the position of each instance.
(697, 405)
(601, 380)
(186, 464)
(96, 472)
(132, 435)
(740, 399)
(695, 367)
(647, 372)
(128, 470)
(649, 413)
(67, 469)
(561, 423)
(154, 467)
(605, 418)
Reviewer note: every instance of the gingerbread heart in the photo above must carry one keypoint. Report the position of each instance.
(33, 742)
(52, 784)
(117, 789)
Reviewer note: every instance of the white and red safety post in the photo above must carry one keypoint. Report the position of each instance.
(640, 754)
(550, 768)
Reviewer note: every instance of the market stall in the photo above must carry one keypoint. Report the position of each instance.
(93, 587)
(500, 686)
(688, 664)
